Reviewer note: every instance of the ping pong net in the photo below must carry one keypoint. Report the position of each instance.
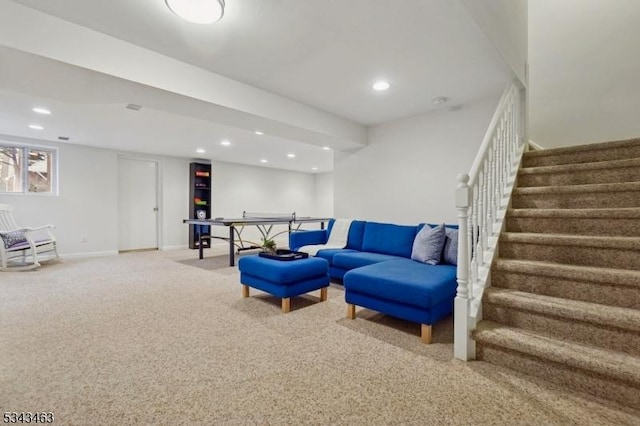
(273, 216)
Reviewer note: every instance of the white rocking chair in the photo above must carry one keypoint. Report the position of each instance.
(24, 243)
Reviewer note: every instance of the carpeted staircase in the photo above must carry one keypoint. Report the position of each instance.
(565, 298)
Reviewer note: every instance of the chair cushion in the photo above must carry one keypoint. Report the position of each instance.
(11, 239)
(351, 260)
(404, 281)
(387, 238)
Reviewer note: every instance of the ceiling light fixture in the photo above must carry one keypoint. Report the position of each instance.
(326, 148)
(197, 11)
(291, 155)
(314, 168)
(439, 100)
(36, 127)
(200, 151)
(225, 143)
(41, 110)
(381, 86)
(259, 133)
(263, 160)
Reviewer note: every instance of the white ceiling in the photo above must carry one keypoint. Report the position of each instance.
(324, 55)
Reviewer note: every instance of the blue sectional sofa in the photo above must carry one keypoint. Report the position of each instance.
(378, 273)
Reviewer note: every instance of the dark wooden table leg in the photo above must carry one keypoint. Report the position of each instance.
(232, 258)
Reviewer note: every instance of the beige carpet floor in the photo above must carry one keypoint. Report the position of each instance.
(163, 338)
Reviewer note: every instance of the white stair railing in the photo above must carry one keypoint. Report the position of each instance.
(482, 198)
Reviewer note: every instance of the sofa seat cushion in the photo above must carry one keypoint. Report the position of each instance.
(328, 254)
(358, 259)
(404, 281)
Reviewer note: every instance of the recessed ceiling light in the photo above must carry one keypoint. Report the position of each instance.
(200, 151)
(41, 110)
(439, 100)
(225, 143)
(291, 155)
(259, 133)
(197, 11)
(326, 148)
(381, 85)
(263, 160)
(314, 168)
(36, 127)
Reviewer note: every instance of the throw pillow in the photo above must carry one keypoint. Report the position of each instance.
(11, 239)
(450, 252)
(428, 245)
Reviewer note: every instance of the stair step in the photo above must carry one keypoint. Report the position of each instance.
(607, 286)
(614, 222)
(600, 372)
(606, 151)
(615, 171)
(606, 195)
(612, 252)
(582, 322)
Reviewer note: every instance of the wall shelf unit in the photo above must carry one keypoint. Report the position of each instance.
(199, 203)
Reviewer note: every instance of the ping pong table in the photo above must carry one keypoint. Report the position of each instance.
(236, 225)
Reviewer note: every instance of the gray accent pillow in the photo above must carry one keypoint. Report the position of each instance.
(428, 245)
(450, 252)
(11, 239)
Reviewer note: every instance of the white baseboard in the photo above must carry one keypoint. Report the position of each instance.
(89, 254)
(180, 247)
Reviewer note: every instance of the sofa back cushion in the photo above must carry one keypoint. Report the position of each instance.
(356, 233)
(387, 238)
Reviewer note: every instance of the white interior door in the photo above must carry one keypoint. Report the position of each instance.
(137, 204)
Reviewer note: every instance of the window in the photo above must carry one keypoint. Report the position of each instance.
(27, 170)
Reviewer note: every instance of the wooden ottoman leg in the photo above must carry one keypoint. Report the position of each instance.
(426, 333)
(286, 305)
(351, 311)
(323, 294)
(245, 291)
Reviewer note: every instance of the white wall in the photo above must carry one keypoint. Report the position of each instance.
(238, 188)
(407, 173)
(86, 204)
(584, 62)
(324, 189)
(505, 23)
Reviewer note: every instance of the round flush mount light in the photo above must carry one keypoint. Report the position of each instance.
(263, 160)
(200, 151)
(36, 127)
(225, 143)
(259, 133)
(380, 86)
(197, 11)
(326, 148)
(439, 100)
(291, 156)
(41, 110)
(314, 168)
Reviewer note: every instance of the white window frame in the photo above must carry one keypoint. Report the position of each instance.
(25, 167)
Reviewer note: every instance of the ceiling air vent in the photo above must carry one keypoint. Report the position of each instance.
(134, 107)
(63, 138)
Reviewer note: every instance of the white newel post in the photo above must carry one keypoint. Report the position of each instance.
(463, 346)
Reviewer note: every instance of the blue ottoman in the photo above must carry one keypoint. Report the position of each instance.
(284, 279)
